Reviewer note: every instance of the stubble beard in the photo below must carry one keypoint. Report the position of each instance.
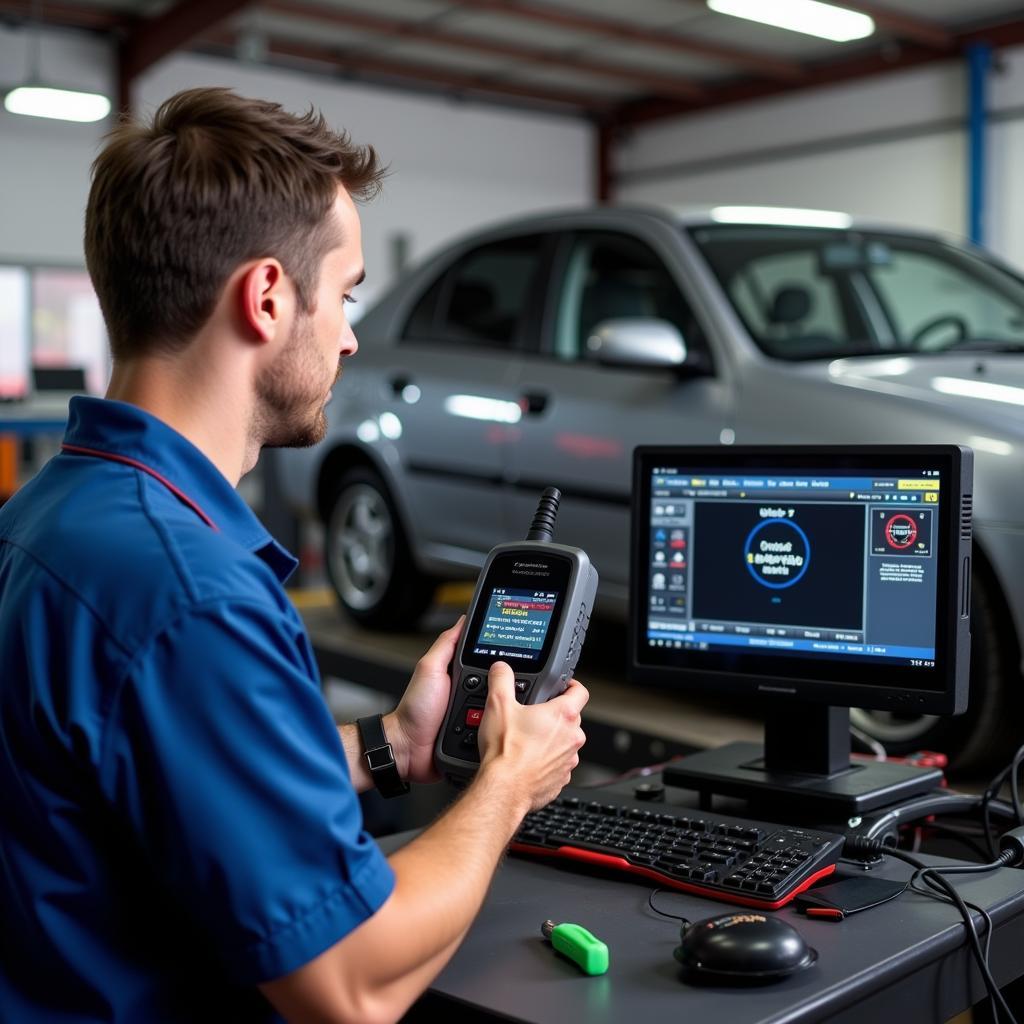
(289, 389)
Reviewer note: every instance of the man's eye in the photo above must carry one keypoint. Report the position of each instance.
(349, 298)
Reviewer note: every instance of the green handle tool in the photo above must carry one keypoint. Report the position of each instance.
(574, 941)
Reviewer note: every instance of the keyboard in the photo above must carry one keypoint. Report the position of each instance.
(737, 860)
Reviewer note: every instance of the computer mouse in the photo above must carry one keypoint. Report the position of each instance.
(742, 947)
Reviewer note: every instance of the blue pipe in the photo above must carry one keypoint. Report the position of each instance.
(979, 61)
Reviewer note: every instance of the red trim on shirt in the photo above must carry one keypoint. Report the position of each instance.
(111, 457)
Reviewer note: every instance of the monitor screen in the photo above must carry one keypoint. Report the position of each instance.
(835, 574)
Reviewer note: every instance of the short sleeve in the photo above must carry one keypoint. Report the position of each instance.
(222, 756)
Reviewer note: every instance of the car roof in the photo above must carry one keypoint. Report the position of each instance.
(566, 218)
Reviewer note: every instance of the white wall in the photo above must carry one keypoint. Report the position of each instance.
(44, 165)
(890, 147)
(454, 165)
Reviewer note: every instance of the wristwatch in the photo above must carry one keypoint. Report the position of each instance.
(380, 758)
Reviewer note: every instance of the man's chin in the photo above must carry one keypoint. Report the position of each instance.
(306, 437)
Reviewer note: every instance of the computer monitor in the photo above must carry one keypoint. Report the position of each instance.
(802, 581)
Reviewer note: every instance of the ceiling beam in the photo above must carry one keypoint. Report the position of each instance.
(916, 30)
(422, 31)
(623, 31)
(156, 38)
(999, 35)
(68, 15)
(450, 81)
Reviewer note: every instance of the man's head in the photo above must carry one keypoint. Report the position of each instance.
(226, 200)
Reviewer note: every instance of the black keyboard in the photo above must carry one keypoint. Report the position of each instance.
(733, 859)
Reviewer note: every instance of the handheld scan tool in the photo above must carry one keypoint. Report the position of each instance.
(531, 610)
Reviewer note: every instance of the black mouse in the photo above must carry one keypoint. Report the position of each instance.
(743, 947)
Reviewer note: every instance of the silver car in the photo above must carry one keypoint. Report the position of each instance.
(542, 351)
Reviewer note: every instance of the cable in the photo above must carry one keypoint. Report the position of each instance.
(939, 887)
(674, 917)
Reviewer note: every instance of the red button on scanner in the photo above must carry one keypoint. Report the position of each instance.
(473, 716)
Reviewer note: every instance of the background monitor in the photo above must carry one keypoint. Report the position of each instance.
(806, 579)
(58, 378)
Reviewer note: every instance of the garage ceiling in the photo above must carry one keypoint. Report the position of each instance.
(601, 59)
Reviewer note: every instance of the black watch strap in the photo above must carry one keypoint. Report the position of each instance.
(380, 758)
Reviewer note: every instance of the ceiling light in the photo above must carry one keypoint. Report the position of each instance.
(35, 98)
(808, 16)
(780, 215)
(59, 104)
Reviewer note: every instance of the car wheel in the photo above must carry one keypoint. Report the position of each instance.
(368, 558)
(984, 735)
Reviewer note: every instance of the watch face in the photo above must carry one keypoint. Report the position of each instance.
(380, 757)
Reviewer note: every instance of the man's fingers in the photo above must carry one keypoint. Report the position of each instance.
(575, 695)
(501, 679)
(442, 650)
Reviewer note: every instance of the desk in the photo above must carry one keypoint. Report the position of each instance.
(20, 421)
(906, 961)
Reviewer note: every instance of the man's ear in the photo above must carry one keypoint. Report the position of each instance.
(265, 294)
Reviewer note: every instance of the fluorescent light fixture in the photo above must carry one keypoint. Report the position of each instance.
(780, 215)
(58, 104)
(808, 16)
(979, 389)
(475, 407)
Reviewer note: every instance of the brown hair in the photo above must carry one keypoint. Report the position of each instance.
(216, 179)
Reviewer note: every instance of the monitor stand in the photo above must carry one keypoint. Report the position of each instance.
(804, 764)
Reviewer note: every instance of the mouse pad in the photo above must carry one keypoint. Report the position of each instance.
(840, 899)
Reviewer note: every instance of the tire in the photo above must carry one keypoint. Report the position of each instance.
(368, 558)
(985, 736)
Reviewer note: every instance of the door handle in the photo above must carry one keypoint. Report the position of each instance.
(533, 403)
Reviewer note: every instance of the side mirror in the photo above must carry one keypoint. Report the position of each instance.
(637, 341)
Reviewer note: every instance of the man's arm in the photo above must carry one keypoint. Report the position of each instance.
(413, 726)
(441, 878)
(353, 744)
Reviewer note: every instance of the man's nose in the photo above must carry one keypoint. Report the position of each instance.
(349, 342)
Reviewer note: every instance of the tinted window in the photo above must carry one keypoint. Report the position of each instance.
(806, 293)
(609, 276)
(483, 299)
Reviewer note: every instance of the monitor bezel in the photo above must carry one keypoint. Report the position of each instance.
(943, 691)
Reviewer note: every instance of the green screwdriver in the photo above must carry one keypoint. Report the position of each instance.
(574, 941)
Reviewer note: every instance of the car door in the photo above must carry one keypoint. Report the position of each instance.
(452, 380)
(582, 419)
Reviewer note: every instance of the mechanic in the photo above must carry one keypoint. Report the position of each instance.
(180, 835)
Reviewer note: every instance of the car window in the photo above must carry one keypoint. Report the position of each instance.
(483, 299)
(812, 293)
(608, 276)
(919, 290)
(789, 302)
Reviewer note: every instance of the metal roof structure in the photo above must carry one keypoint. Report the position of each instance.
(612, 62)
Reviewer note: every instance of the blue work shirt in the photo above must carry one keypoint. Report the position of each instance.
(177, 820)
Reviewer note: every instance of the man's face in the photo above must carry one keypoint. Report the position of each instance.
(296, 387)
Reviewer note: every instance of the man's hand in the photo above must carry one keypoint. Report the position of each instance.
(416, 721)
(538, 744)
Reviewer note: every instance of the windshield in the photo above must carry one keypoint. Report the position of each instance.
(807, 293)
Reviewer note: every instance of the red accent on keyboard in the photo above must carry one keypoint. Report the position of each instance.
(620, 864)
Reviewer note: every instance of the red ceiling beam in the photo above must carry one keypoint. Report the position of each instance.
(623, 31)
(658, 84)
(915, 30)
(156, 38)
(1007, 34)
(450, 80)
(70, 15)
